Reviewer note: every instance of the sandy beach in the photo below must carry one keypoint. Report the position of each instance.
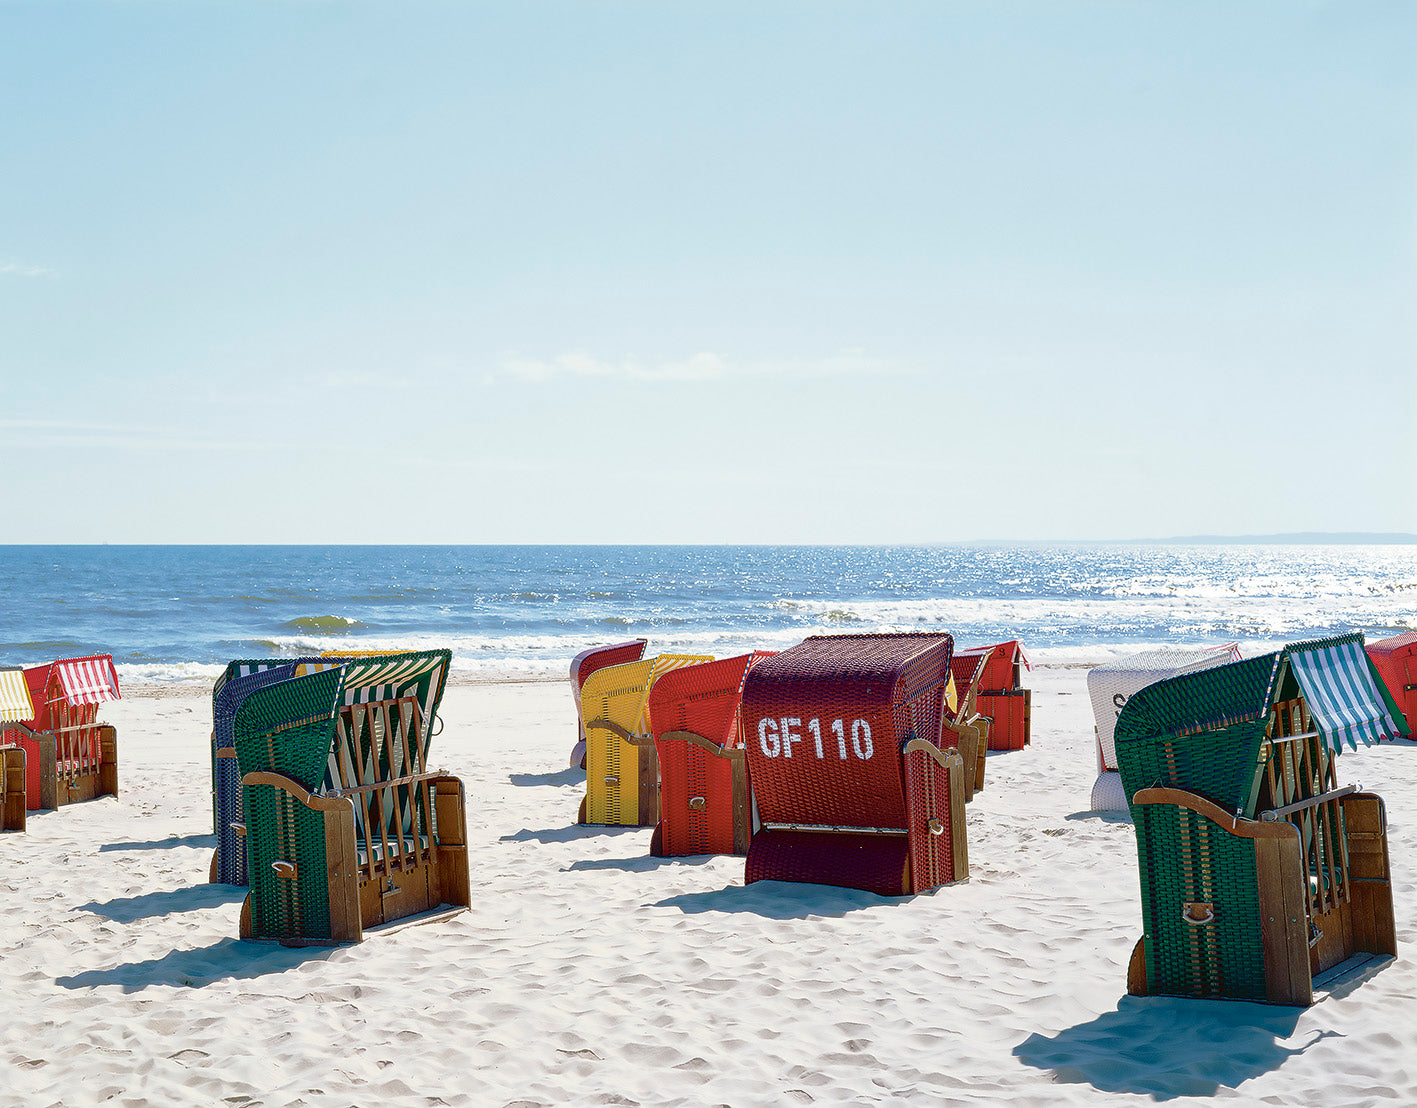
(588, 972)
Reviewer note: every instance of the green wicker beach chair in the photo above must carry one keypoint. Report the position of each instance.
(345, 827)
(1258, 871)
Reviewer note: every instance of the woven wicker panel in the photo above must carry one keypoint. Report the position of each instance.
(696, 788)
(1111, 685)
(226, 776)
(876, 863)
(287, 727)
(1396, 662)
(1201, 732)
(1187, 859)
(825, 722)
(931, 835)
(616, 694)
(279, 828)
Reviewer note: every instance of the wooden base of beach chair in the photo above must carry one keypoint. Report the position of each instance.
(329, 896)
(69, 780)
(12, 788)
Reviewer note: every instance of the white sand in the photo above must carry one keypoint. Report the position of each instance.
(588, 972)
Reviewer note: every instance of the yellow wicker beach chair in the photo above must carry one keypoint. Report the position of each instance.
(15, 706)
(622, 767)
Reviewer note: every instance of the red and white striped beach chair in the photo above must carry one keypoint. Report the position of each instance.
(69, 755)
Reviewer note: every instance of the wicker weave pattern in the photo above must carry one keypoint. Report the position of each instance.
(613, 694)
(287, 727)
(1396, 662)
(1201, 732)
(828, 727)
(226, 776)
(876, 863)
(868, 695)
(696, 788)
(1187, 859)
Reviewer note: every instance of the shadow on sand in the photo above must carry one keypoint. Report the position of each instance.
(573, 833)
(572, 775)
(207, 842)
(1165, 1047)
(129, 909)
(226, 960)
(780, 900)
(641, 863)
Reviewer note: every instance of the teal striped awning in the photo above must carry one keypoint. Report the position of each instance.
(1343, 691)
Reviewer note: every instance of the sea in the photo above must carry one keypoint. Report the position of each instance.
(180, 613)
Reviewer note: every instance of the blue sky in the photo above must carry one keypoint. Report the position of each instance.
(605, 271)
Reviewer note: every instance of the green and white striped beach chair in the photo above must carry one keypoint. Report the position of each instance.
(1259, 872)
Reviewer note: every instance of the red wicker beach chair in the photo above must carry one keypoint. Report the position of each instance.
(69, 755)
(582, 666)
(850, 782)
(705, 805)
(1396, 660)
(1004, 700)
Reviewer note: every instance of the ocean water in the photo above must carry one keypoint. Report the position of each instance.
(514, 612)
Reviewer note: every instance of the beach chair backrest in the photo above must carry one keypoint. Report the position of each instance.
(826, 723)
(1112, 684)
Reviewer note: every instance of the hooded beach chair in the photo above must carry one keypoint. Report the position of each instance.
(1258, 871)
(15, 707)
(69, 755)
(338, 752)
(622, 767)
(1111, 684)
(1003, 700)
(851, 784)
(1396, 660)
(964, 728)
(705, 803)
(582, 666)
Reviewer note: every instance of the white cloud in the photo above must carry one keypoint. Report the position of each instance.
(20, 270)
(704, 366)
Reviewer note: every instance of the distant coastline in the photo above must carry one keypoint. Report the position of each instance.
(1296, 538)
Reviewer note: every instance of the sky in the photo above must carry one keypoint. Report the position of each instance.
(599, 271)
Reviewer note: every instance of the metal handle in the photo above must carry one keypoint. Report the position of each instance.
(284, 869)
(697, 803)
(1198, 913)
(936, 827)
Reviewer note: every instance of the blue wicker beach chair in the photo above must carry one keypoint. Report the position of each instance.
(1258, 871)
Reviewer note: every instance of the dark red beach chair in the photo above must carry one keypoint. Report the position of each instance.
(705, 805)
(851, 784)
